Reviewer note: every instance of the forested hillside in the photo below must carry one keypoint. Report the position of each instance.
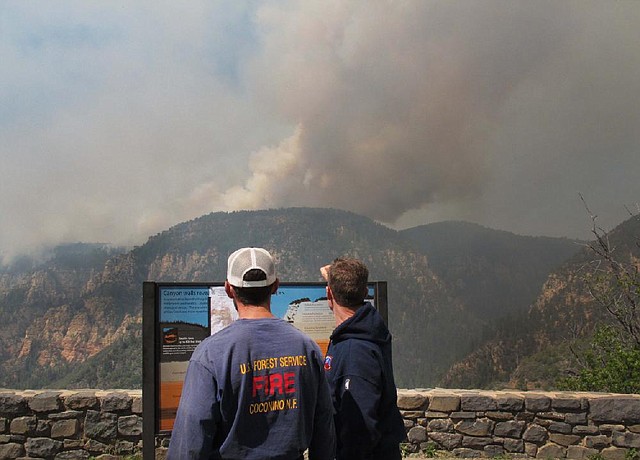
(71, 324)
(534, 349)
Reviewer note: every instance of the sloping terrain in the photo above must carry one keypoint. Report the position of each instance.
(70, 321)
(531, 349)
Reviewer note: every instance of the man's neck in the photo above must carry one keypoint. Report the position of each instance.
(341, 314)
(254, 312)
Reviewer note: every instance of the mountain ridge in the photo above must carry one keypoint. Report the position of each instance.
(563, 314)
(94, 308)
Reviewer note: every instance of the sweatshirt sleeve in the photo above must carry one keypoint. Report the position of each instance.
(357, 420)
(323, 442)
(194, 428)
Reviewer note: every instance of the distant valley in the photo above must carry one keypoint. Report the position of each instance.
(468, 306)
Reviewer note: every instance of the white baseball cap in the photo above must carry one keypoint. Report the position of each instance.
(245, 259)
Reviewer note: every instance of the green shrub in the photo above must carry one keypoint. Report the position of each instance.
(610, 364)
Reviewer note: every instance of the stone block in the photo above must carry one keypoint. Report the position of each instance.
(444, 403)
(70, 444)
(597, 442)
(614, 453)
(514, 445)
(542, 422)
(510, 429)
(24, 425)
(77, 454)
(130, 425)
(511, 403)
(411, 414)
(116, 402)
(535, 434)
(64, 429)
(431, 414)
(11, 450)
(551, 416)
(96, 447)
(568, 404)
(42, 447)
(440, 424)
(65, 415)
(463, 415)
(584, 430)
(497, 415)
(124, 447)
(537, 403)
(551, 450)
(100, 425)
(412, 401)
(417, 434)
(493, 451)
(477, 402)
(447, 441)
(525, 416)
(565, 440)
(580, 452)
(474, 442)
(3, 425)
(530, 449)
(136, 405)
(12, 404)
(19, 438)
(615, 409)
(83, 400)
(48, 401)
(161, 453)
(579, 418)
(481, 427)
(625, 439)
(466, 453)
(608, 428)
(44, 428)
(560, 427)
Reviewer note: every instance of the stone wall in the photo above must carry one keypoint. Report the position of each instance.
(64, 425)
(522, 424)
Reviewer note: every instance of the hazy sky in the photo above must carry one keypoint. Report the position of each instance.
(121, 119)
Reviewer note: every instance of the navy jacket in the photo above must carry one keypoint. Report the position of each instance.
(360, 373)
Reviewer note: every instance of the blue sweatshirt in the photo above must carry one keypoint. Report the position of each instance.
(254, 390)
(360, 371)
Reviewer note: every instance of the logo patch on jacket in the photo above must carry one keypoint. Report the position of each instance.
(327, 363)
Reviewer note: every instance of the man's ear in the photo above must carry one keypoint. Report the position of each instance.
(275, 286)
(330, 298)
(229, 290)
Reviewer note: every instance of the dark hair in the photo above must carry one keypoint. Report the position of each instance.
(348, 282)
(254, 295)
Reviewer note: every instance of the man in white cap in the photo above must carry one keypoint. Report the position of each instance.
(256, 389)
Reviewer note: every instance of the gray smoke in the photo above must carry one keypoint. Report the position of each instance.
(118, 122)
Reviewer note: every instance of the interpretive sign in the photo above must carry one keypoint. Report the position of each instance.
(178, 316)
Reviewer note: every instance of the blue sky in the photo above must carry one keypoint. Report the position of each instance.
(120, 119)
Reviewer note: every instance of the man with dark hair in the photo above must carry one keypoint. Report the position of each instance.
(360, 370)
(256, 389)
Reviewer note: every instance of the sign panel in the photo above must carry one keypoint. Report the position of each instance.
(178, 316)
(184, 323)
